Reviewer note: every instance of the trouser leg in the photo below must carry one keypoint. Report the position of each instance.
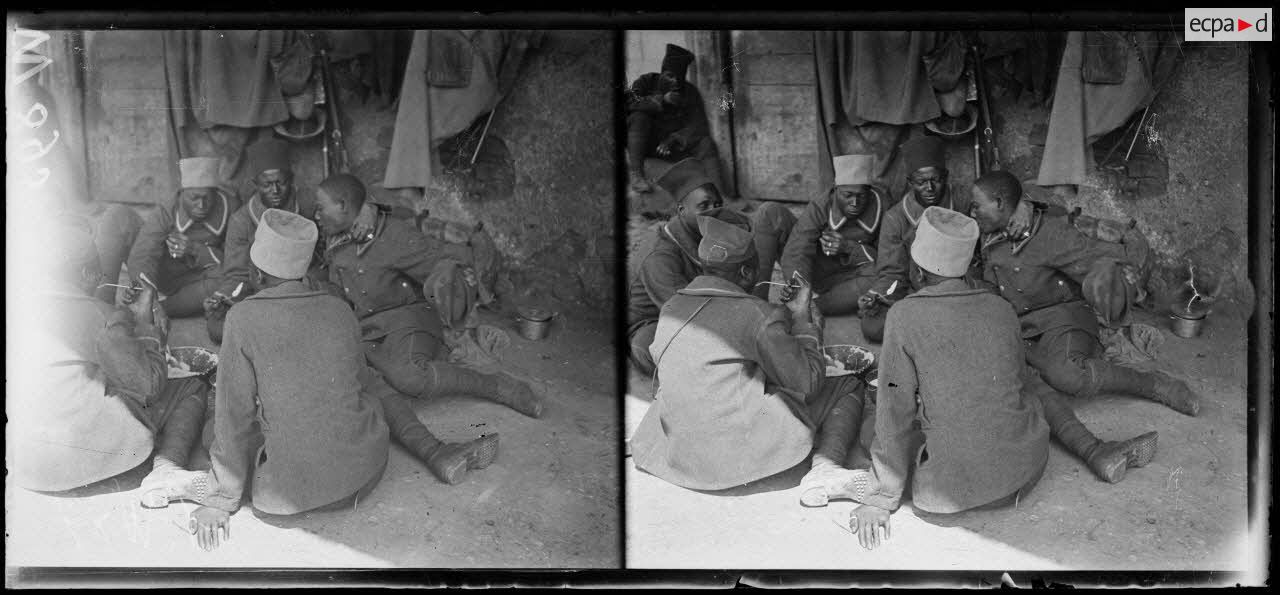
(838, 411)
(179, 415)
(839, 296)
(406, 357)
(1108, 460)
(771, 226)
(640, 338)
(115, 231)
(1061, 356)
(214, 322)
(639, 138)
(189, 298)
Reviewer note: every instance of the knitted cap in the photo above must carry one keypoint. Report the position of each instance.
(677, 60)
(199, 172)
(726, 238)
(944, 242)
(283, 244)
(683, 177)
(268, 154)
(923, 151)
(853, 169)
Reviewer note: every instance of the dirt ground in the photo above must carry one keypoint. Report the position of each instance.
(549, 501)
(1184, 511)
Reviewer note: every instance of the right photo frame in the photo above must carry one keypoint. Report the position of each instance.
(937, 300)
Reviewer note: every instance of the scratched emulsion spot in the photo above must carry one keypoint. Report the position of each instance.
(893, 385)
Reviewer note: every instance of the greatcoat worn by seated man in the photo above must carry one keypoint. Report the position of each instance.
(88, 396)
(674, 262)
(741, 390)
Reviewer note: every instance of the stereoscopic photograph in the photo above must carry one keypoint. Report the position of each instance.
(310, 298)
(936, 300)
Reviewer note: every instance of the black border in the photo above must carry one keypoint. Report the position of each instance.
(1261, 234)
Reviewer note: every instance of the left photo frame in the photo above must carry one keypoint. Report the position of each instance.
(317, 298)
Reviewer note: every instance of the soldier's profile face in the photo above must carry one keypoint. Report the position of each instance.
(986, 211)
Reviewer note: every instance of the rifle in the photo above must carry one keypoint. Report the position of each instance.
(988, 148)
(335, 134)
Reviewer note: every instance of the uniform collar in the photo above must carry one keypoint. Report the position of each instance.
(182, 221)
(1037, 220)
(362, 244)
(909, 205)
(875, 219)
(288, 289)
(948, 287)
(256, 208)
(711, 286)
(684, 238)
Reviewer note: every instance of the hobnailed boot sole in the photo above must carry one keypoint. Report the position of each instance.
(174, 485)
(1118, 457)
(460, 458)
(832, 484)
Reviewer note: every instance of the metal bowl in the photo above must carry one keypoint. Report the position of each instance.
(849, 359)
(191, 361)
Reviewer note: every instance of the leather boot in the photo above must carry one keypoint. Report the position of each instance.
(827, 473)
(405, 429)
(517, 395)
(1156, 386)
(499, 388)
(451, 461)
(1110, 460)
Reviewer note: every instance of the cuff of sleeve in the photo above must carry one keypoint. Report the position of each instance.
(880, 499)
(222, 503)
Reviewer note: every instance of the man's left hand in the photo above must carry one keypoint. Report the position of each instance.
(866, 521)
(469, 276)
(1020, 221)
(206, 523)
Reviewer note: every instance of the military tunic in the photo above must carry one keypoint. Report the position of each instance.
(382, 279)
(1042, 282)
(87, 393)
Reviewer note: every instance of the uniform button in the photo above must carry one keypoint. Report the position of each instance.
(347, 289)
(1019, 290)
(1059, 281)
(359, 271)
(363, 292)
(1017, 269)
(1001, 288)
